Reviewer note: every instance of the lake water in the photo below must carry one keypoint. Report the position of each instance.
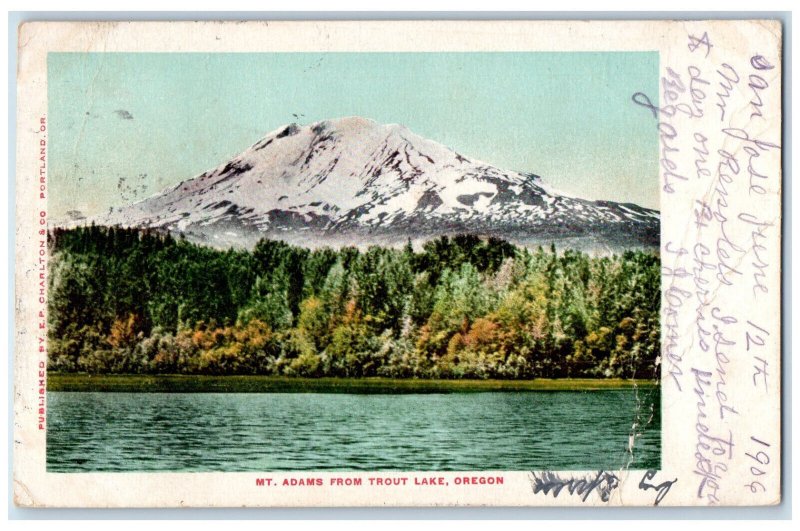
(298, 431)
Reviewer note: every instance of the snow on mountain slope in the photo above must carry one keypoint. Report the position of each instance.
(354, 181)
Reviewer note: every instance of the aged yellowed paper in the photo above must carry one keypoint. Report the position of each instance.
(398, 263)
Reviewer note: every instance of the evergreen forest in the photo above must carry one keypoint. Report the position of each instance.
(125, 301)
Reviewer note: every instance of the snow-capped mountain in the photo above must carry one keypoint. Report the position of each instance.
(353, 181)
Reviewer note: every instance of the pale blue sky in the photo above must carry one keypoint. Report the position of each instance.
(156, 119)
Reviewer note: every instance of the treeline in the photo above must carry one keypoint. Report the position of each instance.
(127, 301)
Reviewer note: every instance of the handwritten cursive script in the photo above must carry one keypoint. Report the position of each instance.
(662, 488)
(549, 482)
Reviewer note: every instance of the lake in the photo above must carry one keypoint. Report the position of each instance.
(234, 432)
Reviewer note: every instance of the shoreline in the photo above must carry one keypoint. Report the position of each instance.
(178, 383)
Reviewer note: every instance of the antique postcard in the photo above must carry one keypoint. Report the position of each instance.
(398, 263)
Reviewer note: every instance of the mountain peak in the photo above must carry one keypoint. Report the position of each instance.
(353, 180)
(347, 123)
(345, 126)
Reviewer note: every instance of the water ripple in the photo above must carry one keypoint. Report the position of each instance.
(263, 432)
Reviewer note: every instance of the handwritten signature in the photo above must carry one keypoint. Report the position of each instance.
(602, 482)
(662, 488)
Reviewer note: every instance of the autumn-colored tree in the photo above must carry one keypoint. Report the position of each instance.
(128, 301)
